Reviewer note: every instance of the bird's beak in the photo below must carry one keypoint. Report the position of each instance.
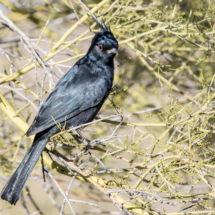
(112, 51)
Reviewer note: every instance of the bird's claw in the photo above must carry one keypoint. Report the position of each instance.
(86, 142)
(87, 146)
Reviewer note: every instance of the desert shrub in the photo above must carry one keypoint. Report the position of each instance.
(153, 138)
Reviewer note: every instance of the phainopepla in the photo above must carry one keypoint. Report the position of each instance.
(75, 100)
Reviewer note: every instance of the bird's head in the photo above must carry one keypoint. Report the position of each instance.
(104, 45)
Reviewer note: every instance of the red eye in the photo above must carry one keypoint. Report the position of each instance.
(100, 47)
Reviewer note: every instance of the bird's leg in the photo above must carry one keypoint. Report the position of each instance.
(43, 168)
(75, 136)
(52, 152)
(85, 141)
(48, 152)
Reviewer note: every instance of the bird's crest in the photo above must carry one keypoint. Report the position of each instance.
(105, 30)
(104, 27)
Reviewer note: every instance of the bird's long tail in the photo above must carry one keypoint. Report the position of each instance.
(13, 189)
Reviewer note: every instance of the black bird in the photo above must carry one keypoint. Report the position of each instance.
(75, 100)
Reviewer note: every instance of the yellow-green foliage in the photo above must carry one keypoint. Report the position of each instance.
(163, 100)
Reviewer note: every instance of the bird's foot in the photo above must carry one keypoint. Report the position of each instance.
(87, 146)
(86, 142)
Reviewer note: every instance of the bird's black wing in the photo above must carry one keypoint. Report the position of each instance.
(73, 94)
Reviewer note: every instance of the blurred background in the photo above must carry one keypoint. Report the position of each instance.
(158, 131)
